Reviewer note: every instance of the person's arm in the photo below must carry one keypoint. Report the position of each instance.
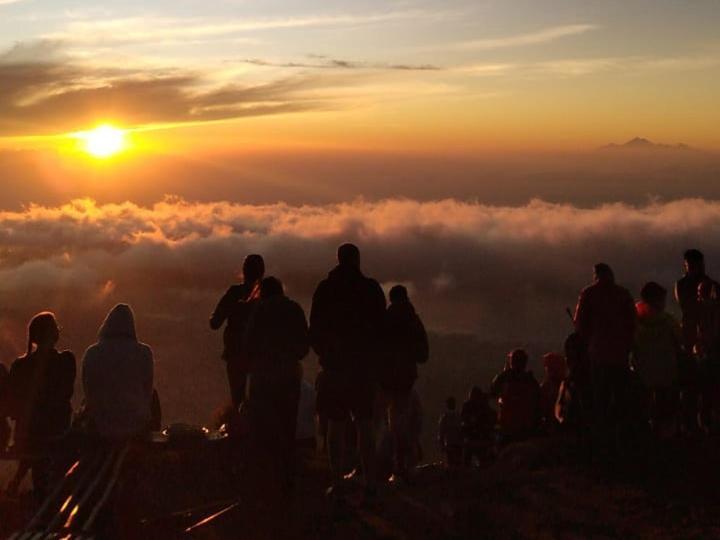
(224, 307)
(66, 384)
(422, 342)
(300, 338)
(318, 331)
(582, 317)
(148, 373)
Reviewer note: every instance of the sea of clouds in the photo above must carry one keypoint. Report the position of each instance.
(503, 273)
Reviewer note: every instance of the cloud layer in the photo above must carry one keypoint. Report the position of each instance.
(503, 273)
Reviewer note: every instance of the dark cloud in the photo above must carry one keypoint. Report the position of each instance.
(45, 93)
(335, 63)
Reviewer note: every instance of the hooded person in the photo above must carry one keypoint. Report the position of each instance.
(118, 379)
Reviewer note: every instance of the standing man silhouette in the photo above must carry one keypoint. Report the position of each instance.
(346, 322)
(235, 308)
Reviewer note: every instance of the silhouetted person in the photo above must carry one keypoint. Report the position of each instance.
(477, 426)
(234, 310)
(656, 355)
(555, 374)
(450, 434)
(573, 406)
(41, 387)
(706, 352)
(118, 379)
(4, 409)
(518, 395)
(405, 346)
(605, 320)
(686, 294)
(346, 322)
(276, 341)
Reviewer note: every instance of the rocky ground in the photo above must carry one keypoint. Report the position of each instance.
(533, 490)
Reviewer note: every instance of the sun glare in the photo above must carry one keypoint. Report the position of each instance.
(103, 141)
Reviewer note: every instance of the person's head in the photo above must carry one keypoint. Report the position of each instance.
(348, 255)
(399, 294)
(654, 295)
(694, 262)
(43, 332)
(271, 286)
(518, 360)
(554, 365)
(119, 324)
(476, 393)
(253, 268)
(450, 403)
(602, 273)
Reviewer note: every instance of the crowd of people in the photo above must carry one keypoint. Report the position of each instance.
(622, 356)
(627, 366)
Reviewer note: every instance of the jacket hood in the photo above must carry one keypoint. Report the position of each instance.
(119, 323)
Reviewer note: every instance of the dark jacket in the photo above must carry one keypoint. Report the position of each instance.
(277, 334)
(478, 419)
(686, 294)
(605, 319)
(4, 409)
(41, 387)
(346, 321)
(518, 401)
(235, 308)
(405, 345)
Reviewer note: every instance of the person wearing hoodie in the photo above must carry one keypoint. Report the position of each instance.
(346, 321)
(276, 341)
(118, 379)
(234, 310)
(41, 386)
(405, 346)
(656, 355)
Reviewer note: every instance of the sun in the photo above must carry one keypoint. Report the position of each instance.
(103, 141)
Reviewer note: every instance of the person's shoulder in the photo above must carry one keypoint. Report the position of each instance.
(145, 349)
(67, 356)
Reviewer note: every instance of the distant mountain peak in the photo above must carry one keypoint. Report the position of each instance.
(641, 143)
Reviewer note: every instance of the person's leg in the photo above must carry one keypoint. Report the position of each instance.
(366, 449)
(361, 393)
(237, 380)
(23, 467)
(400, 429)
(336, 435)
